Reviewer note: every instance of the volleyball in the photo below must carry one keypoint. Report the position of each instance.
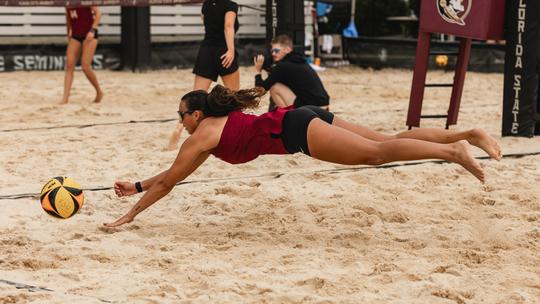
(61, 197)
(441, 60)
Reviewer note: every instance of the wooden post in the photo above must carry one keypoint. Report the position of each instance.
(271, 20)
(136, 47)
(419, 79)
(459, 81)
(290, 21)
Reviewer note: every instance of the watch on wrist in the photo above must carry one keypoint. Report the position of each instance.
(138, 186)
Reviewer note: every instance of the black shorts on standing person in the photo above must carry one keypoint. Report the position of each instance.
(208, 63)
(82, 38)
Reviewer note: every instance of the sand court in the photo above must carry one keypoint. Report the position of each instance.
(280, 229)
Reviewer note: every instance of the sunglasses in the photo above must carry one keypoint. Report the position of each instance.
(182, 114)
(275, 50)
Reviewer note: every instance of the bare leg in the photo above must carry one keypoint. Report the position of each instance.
(282, 95)
(476, 137)
(201, 83)
(334, 144)
(88, 51)
(232, 81)
(175, 138)
(72, 55)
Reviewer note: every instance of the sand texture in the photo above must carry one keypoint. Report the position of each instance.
(280, 229)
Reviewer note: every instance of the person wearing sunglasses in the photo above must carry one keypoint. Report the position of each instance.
(218, 126)
(291, 80)
(217, 55)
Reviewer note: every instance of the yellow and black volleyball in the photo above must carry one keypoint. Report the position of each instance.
(61, 197)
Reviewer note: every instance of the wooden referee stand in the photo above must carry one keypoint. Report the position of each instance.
(466, 19)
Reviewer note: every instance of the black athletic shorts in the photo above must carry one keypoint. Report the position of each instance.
(82, 38)
(208, 63)
(295, 126)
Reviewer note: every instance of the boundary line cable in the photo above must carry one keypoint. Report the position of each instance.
(90, 125)
(32, 288)
(278, 175)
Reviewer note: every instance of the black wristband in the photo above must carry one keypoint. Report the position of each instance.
(138, 186)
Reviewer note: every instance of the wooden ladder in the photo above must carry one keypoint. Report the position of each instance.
(419, 80)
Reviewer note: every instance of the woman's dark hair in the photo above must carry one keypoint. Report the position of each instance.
(220, 101)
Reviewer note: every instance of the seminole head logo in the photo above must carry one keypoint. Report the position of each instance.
(454, 11)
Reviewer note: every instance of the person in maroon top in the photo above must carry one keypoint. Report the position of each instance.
(217, 54)
(218, 126)
(82, 32)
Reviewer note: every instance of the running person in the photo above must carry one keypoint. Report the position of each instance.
(82, 32)
(217, 54)
(219, 127)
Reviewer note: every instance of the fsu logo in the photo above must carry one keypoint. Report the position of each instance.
(454, 11)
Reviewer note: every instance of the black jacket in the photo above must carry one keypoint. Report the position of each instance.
(294, 72)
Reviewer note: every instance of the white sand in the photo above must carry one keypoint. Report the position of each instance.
(427, 233)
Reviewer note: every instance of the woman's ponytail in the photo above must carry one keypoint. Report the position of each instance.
(220, 101)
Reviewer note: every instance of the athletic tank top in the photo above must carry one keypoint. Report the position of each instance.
(246, 136)
(81, 20)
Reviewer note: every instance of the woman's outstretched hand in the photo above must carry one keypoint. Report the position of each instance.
(121, 221)
(122, 188)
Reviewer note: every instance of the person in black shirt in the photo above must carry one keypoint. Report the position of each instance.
(291, 80)
(217, 54)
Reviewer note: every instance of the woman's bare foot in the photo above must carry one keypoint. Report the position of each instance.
(485, 142)
(465, 158)
(99, 97)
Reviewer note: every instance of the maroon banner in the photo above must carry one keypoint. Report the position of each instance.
(94, 2)
(476, 19)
